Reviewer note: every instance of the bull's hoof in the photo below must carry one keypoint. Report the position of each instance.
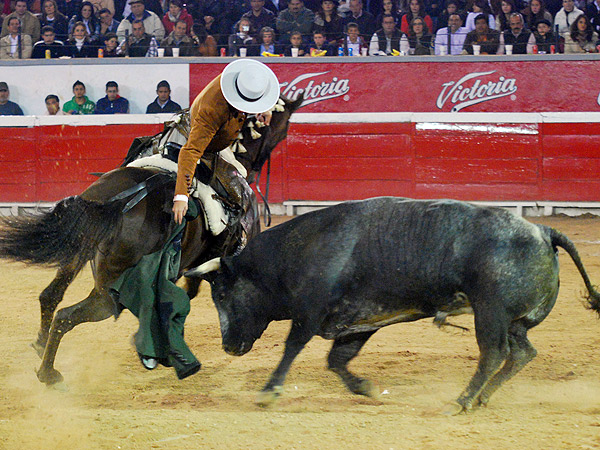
(367, 388)
(39, 348)
(453, 409)
(264, 399)
(49, 377)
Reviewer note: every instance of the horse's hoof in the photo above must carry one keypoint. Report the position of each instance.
(39, 348)
(367, 388)
(49, 377)
(453, 409)
(265, 399)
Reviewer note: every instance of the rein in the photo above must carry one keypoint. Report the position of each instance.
(141, 189)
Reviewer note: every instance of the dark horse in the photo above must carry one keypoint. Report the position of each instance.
(93, 227)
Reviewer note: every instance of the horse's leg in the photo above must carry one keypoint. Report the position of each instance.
(96, 307)
(192, 285)
(49, 300)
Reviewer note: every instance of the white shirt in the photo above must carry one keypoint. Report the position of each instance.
(457, 40)
(14, 42)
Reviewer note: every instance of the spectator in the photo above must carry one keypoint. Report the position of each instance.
(567, 15)
(480, 7)
(123, 8)
(295, 42)
(582, 38)
(8, 108)
(111, 43)
(80, 46)
(534, 13)
(241, 38)
(416, 9)
(452, 7)
(387, 39)
(544, 37)
(451, 37)
(219, 17)
(266, 43)
(390, 7)
(353, 43)
(319, 45)
(295, 18)
(482, 35)
(152, 24)
(140, 44)
(112, 102)
(53, 106)
(87, 17)
(518, 36)
(259, 17)
(79, 104)
(48, 42)
(99, 5)
(206, 45)
(51, 16)
(329, 21)
(29, 23)
(163, 102)
(106, 24)
(176, 12)
(418, 41)
(178, 38)
(364, 19)
(15, 45)
(502, 19)
(593, 13)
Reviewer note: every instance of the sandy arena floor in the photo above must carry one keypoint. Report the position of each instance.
(113, 403)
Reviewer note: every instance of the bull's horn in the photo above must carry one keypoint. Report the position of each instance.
(208, 266)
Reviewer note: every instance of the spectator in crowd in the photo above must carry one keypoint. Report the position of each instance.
(416, 9)
(163, 102)
(177, 12)
(275, 6)
(219, 17)
(15, 45)
(480, 7)
(582, 38)
(387, 39)
(29, 23)
(418, 40)
(111, 43)
(389, 7)
(99, 5)
(80, 45)
(241, 38)
(364, 19)
(79, 104)
(295, 18)
(259, 17)
(266, 43)
(452, 37)
(502, 19)
(567, 15)
(593, 13)
(106, 24)
(87, 17)
(206, 45)
(544, 37)
(353, 43)
(49, 43)
(534, 13)
(518, 36)
(295, 42)
(152, 24)
(140, 44)
(51, 16)
(320, 47)
(123, 8)
(452, 7)
(482, 35)
(8, 108)
(178, 38)
(112, 102)
(53, 106)
(329, 21)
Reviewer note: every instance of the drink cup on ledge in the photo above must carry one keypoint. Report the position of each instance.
(476, 49)
(294, 52)
(509, 49)
(443, 50)
(161, 52)
(364, 51)
(243, 52)
(175, 52)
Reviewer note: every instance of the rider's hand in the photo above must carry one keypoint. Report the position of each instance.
(265, 117)
(179, 210)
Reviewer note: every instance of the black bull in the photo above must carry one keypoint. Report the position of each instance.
(346, 271)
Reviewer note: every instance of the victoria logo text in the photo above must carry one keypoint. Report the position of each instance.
(313, 90)
(472, 89)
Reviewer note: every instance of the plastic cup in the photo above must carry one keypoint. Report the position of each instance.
(476, 49)
(364, 51)
(175, 52)
(509, 49)
(161, 52)
(443, 50)
(294, 52)
(243, 52)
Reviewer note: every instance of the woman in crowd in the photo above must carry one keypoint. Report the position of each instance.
(205, 43)
(176, 12)
(389, 7)
(502, 20)
(328, 21)
(87, 17)
(480, 7)
(241, 38)
(51, 16)
(418, 40)
(80, 46)
(266, 43)
(452, 7)
(582, 38)
(534, 13)
(416, 8)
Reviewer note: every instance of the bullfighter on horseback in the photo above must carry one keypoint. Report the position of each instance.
(246, 86)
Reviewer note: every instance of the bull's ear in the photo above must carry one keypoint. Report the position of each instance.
(296, 104)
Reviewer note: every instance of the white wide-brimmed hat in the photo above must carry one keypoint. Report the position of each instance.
(249, 86)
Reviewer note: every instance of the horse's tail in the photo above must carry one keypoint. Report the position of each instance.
(68, 235)
(560, 240)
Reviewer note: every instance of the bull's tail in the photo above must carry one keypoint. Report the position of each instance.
(68, 235)
(560, 240)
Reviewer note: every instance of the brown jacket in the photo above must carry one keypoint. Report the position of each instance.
(215, 125)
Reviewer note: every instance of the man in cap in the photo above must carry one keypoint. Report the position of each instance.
(246, 86)
(8, 108)
(152, 23)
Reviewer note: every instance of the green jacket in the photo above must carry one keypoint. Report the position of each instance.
(86, 108)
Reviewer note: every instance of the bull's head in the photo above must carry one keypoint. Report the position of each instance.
(242, 314)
